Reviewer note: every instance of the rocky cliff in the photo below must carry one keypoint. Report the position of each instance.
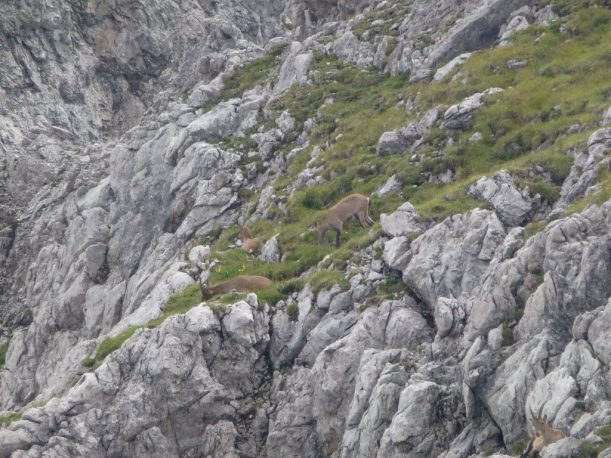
(135, 138)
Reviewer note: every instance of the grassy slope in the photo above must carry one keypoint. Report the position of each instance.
(566, 81)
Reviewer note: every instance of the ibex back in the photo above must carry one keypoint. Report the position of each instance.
(242, 284)
(355, 205)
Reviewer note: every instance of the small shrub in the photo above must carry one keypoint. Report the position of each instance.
(3, 350)
(270, 296)
(292, 310)
(520, 445)
(534, 228)
(88, 362)
(291, 286)
(391, 286)
(507, 335)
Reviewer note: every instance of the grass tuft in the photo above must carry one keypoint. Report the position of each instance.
(3, 350)
(10, 418)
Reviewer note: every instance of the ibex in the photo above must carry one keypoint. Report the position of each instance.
(354, 205)
(250, 244)
(242, 284)
(546, 434)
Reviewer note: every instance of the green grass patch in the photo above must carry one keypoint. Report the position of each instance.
(184, 301)
(391, 286)
(111, 344)
(592, 450)
(506, 335)
(534, 228)
(324, 279)
(3, 350)
(6, 420)
(250, 74)
(231, 298)
(292, 310)
(520, 445)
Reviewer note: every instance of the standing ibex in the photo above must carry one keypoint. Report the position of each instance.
(546, 434)
(354, 205)
(250, 244)
(242, 284)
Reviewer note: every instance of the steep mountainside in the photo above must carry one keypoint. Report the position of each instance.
(135, 139)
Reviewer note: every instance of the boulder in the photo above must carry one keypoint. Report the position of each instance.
(514, 26)
(391, 186)
(513, 205)
(198, 254)
(294, 69)
(448, 68)
(270, 252)
(459, 116)
(404, 221)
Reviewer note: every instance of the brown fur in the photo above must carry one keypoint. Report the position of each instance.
(546, 434)
(242, 284)
(355, 205)
(250, 244)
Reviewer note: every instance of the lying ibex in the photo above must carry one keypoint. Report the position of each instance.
(250, 244)
(546, 434)
(354, 205)
(242, 284)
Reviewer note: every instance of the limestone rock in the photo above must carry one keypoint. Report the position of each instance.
(585, 169)
(448, 68)
(515, 25)
(404, 221)
(459, 116)
(392, 185)
(270, 252)
(199, 254)
(451, 257)
(294, 69)
(513, 205)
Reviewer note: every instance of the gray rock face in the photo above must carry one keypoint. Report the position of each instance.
(576, 272)
(479, 25)
(451, 257)
(154, 390)
(585, 169)
(347, 47)
(113, 239)
(112, 179)
(514, 206)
